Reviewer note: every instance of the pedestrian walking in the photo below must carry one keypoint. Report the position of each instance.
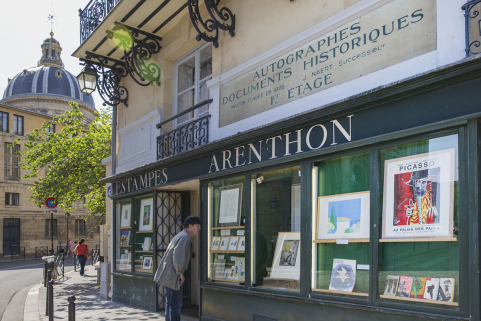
(83, 253)
(69, 248)
(170, 272)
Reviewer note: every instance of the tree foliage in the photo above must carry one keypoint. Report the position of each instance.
(73, 157)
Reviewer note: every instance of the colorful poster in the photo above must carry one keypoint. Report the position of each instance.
(392, 282)
(418, 287)
(343, 275)
(404, 288)
(146, 206)
(418, 196)
(343, 216)
(432, 289)
(125, 238)
(446, 290)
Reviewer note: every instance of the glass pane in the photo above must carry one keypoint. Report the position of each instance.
(143, 247)
(206, 62)
(419, 250)
(186, 74)
(124, 237)
(276, 215)
(226, 242)
(185, 101)
(203, 95)
(341, 219)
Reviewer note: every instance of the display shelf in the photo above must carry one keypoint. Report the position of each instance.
(348, 240)
(225, 280)
(426, 239)
(227, 228)
(143, 271)
(139, 232)
(124, 228)
(398, 298)
(123, 245)
(217, 251)
(341, 292)
(144, 251)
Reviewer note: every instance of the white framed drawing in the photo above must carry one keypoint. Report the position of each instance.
(123, 262)
(233, 242)
(419, 196)
(215, 243)
(343, 216)
(147, 263)
(230, 205)
(125, 211)
(224, 243)
(239, 269)
(145, 218)
(242, 244)
(286, 263)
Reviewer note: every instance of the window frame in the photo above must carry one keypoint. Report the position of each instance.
(17, 119)
(10, 197)
(78, 226)
(10, 157)
(4, 116)
(54, 227)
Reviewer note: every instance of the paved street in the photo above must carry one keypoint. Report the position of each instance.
(17, 275)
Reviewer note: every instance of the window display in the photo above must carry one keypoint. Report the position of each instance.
(123, 236)
(143, 222)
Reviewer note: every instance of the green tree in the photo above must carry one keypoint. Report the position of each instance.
(73, 157)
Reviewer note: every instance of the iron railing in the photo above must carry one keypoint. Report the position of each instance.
(95, 256)
(93, 15)
(41, 251)
(17, 252)
(472, 18)
(60, 265)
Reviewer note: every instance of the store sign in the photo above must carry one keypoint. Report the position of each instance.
(143, 181)
(395, 32)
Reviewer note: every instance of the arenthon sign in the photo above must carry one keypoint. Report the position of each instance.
(395, 32)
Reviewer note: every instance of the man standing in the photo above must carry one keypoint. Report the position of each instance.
(170, 272)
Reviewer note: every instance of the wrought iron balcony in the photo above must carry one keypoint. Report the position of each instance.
(93, 15)
(472, 17)
(185, 137)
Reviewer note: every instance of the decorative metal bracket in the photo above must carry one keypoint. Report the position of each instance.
(138, 46)
(208, 30)
(471, 12)
(108, 78)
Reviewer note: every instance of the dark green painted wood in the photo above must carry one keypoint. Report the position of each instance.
(306, 227)
(135, 292)
(248, 231)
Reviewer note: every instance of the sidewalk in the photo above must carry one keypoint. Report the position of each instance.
(88, 305)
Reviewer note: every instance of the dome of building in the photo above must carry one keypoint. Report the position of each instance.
(49, 78)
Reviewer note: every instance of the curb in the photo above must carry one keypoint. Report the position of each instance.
(22, 260)
(30, 311)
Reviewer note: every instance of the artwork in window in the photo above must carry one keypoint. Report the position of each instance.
(343, 275)
(446, 286)
(286, 263)
(343, 216)
(404, 288)
(125, 212)
(432, 288)
(392, 282)
(219, 268)
(215, 243)
(129, 259)
(125, 238)
(242, 244)
(123, 262)
(224, 243)
(239, 269)
(418, 196)
(233, 242)
(147, 243)
(418, 287)
(147, 263)
(228, 274)
(230, 203)
(146, 206)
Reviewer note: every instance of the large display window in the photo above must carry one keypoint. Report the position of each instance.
(341, 226)
(418, 246)
(123, 248)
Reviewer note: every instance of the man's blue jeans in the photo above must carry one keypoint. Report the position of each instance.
(173, 304)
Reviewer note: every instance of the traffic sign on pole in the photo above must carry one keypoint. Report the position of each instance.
(51, 202)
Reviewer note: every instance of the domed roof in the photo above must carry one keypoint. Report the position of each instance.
(49, 78)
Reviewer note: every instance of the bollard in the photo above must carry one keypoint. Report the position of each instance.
(71, 308)
(45, 274)
(48, 280)
(50, 300)
(63, 264)
(75, 262)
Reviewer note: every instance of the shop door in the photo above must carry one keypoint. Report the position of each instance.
(172, 208)
(11, 235)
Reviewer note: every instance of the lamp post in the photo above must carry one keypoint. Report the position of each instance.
(87, 80)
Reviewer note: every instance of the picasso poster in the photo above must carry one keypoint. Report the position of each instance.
(230, 206)
(343, 216)
(418, 196)
(286, 263)
(146, 207)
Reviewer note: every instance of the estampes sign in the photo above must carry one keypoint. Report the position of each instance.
(395, 32)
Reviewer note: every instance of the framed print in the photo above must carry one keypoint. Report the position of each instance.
(215, 243)
(242, 244)
(233, 242)
(129, 260)
(392, 282)
(147, 263)
(343, 216)
(230, 206)
(224, 243)
(146, 209)
(125, 238)
(239, 269)
(125, 212)
(419, 196)
(123, 262)
(287, 257)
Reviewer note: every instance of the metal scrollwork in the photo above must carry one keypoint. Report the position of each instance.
(472, 26)
(108, 79)
(138, 49)
(208, 30)
(93, 14)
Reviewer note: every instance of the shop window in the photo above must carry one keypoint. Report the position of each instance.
(50, 227)
(123, 237)
(18, 125)
(227, 240)
(341, 216)
(12, 199)
(79, 227)
(192, 74)
(276, 216)
(11, 161)
(419, 247)
(3, 122)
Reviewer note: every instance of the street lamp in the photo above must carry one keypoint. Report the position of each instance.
(87, 80)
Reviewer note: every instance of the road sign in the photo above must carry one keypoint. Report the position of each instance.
(49, 211)
(51, 202)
